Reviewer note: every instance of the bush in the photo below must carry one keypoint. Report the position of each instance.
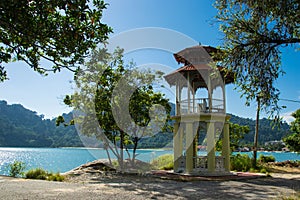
(164, 162)
(55, 177)
(37, 173)
(240, 162)
(266, 159)
(42, 174)
(16, 169)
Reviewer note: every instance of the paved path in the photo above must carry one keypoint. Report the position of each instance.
(150, 188)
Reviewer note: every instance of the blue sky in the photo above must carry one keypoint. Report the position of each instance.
(193, 19)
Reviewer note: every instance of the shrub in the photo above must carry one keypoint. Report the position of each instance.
(240, 162)
(42, 174)
(55, 177)
(37, 173)
(164, 162)
(266, 159)
(16, 169)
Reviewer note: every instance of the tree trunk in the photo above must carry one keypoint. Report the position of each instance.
(256, 133)
(121, 149)
(135, 141)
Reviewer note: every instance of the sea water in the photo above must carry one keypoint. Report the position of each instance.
(65, 159)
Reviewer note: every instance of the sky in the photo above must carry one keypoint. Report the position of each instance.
(170, 25)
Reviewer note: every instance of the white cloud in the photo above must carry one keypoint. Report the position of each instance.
(288, 117)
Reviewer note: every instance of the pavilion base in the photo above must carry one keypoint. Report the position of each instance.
(170, 175)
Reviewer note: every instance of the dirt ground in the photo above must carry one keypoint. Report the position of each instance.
(107, 186)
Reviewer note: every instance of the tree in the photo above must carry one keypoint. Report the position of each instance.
(254, 32)
(293, 140)
(61, 32)
(117, 103)
(236, 134)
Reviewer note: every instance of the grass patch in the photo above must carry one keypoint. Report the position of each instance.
(164, 162)
(42, 174)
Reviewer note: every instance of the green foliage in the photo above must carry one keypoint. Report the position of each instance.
(55, 177)
(163, 162)
(293, 140)
(240, 162)
(37, 173)
(61, 32)
(266, 159)
(16, 169)
(236, 134)
(42, 174)
(254, 32)
(119, 99)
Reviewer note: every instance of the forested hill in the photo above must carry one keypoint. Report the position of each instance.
(267, 130)
(20, 127)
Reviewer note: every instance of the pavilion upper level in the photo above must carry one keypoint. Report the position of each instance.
(200, 83)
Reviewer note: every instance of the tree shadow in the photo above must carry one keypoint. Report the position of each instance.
(156, 188)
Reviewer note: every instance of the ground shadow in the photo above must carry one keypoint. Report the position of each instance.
(156, 188)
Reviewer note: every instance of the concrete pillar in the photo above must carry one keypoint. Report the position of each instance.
(211, 157)
(176, 144)
(189, 160)
(189, 93)
(226, 147)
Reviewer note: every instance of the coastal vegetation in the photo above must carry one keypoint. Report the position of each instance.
(17, 169)
(42, 174)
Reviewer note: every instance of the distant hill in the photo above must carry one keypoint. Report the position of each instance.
(20, 127)
(267, 131)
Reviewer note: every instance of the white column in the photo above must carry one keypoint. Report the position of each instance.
(211, 157)
(189, 159)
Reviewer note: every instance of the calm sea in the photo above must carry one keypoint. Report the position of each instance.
(65, 159)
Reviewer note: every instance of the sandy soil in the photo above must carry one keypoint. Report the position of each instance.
(101, 186)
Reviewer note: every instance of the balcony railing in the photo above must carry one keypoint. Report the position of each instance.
(202, 105)
(200, 163)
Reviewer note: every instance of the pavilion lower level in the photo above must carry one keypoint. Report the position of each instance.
(186, 134)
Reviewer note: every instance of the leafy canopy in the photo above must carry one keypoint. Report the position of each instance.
(117, 102)
(293, 140)
(254, 32)
(59, 31)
